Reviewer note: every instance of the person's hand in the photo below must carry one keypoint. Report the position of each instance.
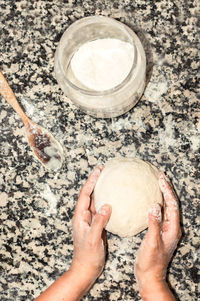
(89, 248)
(88, 232)
(159, 243)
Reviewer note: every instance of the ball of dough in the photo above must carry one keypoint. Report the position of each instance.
(130, 186)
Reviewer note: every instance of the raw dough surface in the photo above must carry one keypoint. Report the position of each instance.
(130, 186)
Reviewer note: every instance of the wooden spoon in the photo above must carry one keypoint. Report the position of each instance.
(46, 148)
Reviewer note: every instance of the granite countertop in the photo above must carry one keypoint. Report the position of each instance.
(36, 206)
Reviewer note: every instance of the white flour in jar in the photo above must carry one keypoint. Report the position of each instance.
(102, 64)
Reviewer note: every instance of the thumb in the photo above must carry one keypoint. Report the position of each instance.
(154, 220)
(100, 220)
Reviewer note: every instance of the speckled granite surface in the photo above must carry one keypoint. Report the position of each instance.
(36, 206)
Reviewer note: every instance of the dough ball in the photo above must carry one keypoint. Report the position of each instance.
(130, 186)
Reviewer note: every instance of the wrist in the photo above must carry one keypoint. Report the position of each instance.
(77, 282)
(83, 276)
(149, 287)
(71, 286)
(156, 291)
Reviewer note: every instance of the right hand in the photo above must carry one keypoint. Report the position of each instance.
(160, 241)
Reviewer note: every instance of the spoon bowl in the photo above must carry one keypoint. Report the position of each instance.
(45, 147)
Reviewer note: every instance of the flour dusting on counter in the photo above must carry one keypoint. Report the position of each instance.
(155, 90)
(37, 206)
(30, 110)
(51, 199)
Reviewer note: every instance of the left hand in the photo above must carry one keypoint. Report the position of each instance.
(89, 248)
(88, 232)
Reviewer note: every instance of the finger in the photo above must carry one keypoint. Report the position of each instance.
(99, 222)
(87, 217)
(171, 210)
(92, 206)
(104, 238)
(101, 167)
(170, 200)
(154, 222)
(83, 202)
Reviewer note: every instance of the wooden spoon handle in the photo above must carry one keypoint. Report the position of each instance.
(9, 96)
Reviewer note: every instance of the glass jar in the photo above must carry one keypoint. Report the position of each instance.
(108, 103)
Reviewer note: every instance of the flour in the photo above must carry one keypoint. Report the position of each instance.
(30, 110)
(55, 161)
(51, 198)
(155, 90)
(103, 64)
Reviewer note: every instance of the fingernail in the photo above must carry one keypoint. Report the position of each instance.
(164, 177)
(100, 166)
(104, 210)
(162, 183)
(155, 211)
(96, 171)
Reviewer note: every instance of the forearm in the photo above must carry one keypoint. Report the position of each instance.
(156, 292)
(69, 287)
